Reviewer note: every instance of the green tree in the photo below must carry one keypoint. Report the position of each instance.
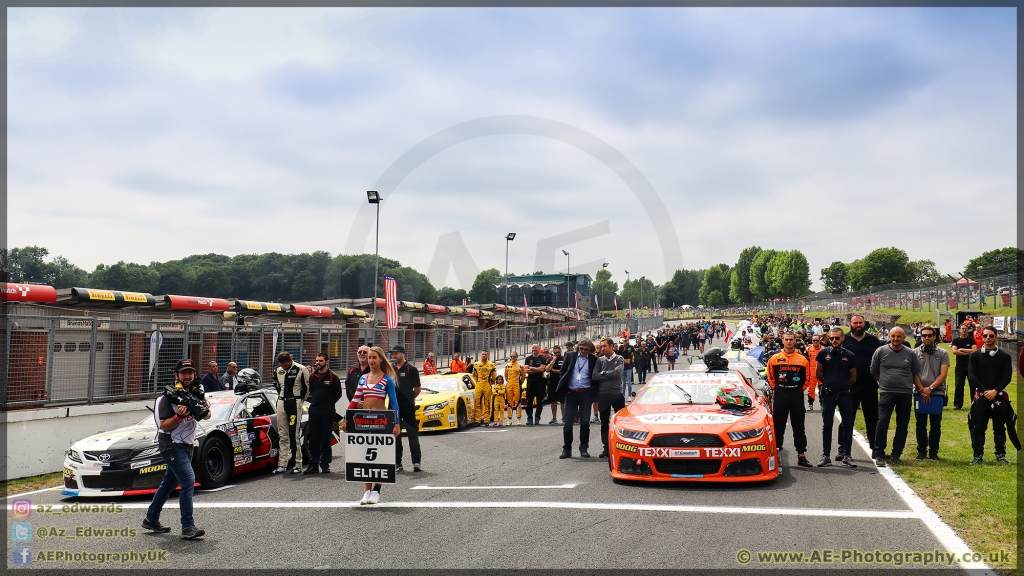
(881, 266)
(789, 275)
(64, 274)
(175, 278)
(925, 272)
(633, 290)
(716, 278)
(739, 281)
(1003, 260)
(449, 296)
(484, 290)
(715, 298)
(605, 289)
(759, 289)
(835, 278)
(125, 276)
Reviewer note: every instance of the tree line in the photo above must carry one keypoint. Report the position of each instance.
(887, 265)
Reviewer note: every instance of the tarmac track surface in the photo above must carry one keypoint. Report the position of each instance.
(501, 498)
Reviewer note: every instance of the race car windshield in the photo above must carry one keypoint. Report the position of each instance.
(441, 385)
(684, 393)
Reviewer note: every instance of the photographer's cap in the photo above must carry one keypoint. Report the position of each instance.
(185, 364)
(399, 349)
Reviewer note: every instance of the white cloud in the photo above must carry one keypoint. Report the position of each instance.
(40, 31)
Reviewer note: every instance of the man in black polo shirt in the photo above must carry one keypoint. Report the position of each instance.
(324, 393)
(356, 371)
(408, 390)
(554, 369)
(962, 348)
(534, 365)
(836, 370)
(865, 389)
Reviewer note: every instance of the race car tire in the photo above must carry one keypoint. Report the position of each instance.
(215, 463)
(461, 419)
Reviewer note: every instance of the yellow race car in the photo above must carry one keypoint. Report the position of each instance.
(446, 402)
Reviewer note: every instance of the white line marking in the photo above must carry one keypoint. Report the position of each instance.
(424, 487)
(36, 491)
(225, 487)
(484, 431)
(824, 512)
(942, 531)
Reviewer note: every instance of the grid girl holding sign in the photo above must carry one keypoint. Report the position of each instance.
(373, 388)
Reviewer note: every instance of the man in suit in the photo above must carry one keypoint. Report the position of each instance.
(576, 386)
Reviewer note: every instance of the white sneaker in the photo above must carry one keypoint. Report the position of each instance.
(366, 498)
(374, 497)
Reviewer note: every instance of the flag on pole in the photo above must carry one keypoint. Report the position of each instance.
(596, 305)
(616, 300)
(390, 302)
(526, 305)
(577, 305)
(630, 311)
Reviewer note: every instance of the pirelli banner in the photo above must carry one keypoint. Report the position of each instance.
(249, 306)
(113, 297)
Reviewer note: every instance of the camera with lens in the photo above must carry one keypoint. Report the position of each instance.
(196, 404)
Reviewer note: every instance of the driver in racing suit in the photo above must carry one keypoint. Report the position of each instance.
(483, 372)
(291, 380)
(787, 374)
(514, 389)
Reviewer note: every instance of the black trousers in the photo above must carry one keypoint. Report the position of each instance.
(867, 400)
(998, 435)
(605, 404)
(641, 372)
(534, 398)
(903, 405)
(958, 394)
(577, 404)
(318, 436)
(412, 432)
(788, 404)
(928, 440)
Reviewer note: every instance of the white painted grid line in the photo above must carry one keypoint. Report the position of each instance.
(553, 486)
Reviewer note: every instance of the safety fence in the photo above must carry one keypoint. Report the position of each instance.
(56, 360)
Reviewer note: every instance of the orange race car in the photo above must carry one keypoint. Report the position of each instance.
(694, 426)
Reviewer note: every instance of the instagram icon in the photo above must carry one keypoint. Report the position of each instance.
(21, 509)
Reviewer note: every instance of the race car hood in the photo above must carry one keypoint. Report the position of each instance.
(669, 418)
(428, 399)
(129, 438)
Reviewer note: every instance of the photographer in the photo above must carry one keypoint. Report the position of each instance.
(176, 436)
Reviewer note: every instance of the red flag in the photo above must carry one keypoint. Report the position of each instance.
(527, 306)
(630, 312)
(616, 300)
(390, 302)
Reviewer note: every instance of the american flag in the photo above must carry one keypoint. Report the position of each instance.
(390, 302)
(630, 313)
(577, 297)
(596, 305)
(527, 306)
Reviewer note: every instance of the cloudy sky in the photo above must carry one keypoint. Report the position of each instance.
(152, 134)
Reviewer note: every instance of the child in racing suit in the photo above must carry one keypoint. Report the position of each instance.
(498, 401)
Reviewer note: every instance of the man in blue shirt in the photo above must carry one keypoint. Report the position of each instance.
(575, 385)
(211, 382)
(836, 371)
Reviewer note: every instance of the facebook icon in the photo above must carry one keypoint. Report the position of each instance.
(21, 554)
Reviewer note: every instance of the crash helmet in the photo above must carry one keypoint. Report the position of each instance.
(714, 359)
(248, 380)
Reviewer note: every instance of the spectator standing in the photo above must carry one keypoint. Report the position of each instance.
(671, 355)
(865, 390)
(962, 347)
(483, 375)
(211, 381)
(356, 371)
(324, 393)
(787, 374)
(291, 380)
(176, 434)
(947, 336)
(934, 363)
(643, 363)
(457, 365)
(607, 379)
(836, 370)
(896, 368)
(230, 378)
(408, 385)
(991, 372)
(554, 369)
(626, 351)
(576, 383)
(535, 366)
(428, 365)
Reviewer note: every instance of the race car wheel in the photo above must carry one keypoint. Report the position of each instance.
(215, 463)
(461, 417)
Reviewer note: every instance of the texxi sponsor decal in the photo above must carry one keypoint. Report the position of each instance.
(687, 418)
(157, 468)
(722, 452)
(626, 447)
(754, 448)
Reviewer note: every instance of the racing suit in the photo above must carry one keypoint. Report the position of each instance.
(787, 375)
(483, 374)
(292, 388)
(513, 390)
(498, 390)
(812, 375)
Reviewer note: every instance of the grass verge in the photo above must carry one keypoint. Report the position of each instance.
(19, 485)
(979, 502)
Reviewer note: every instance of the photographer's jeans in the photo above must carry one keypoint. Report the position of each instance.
(627, 382)
(179, 473)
